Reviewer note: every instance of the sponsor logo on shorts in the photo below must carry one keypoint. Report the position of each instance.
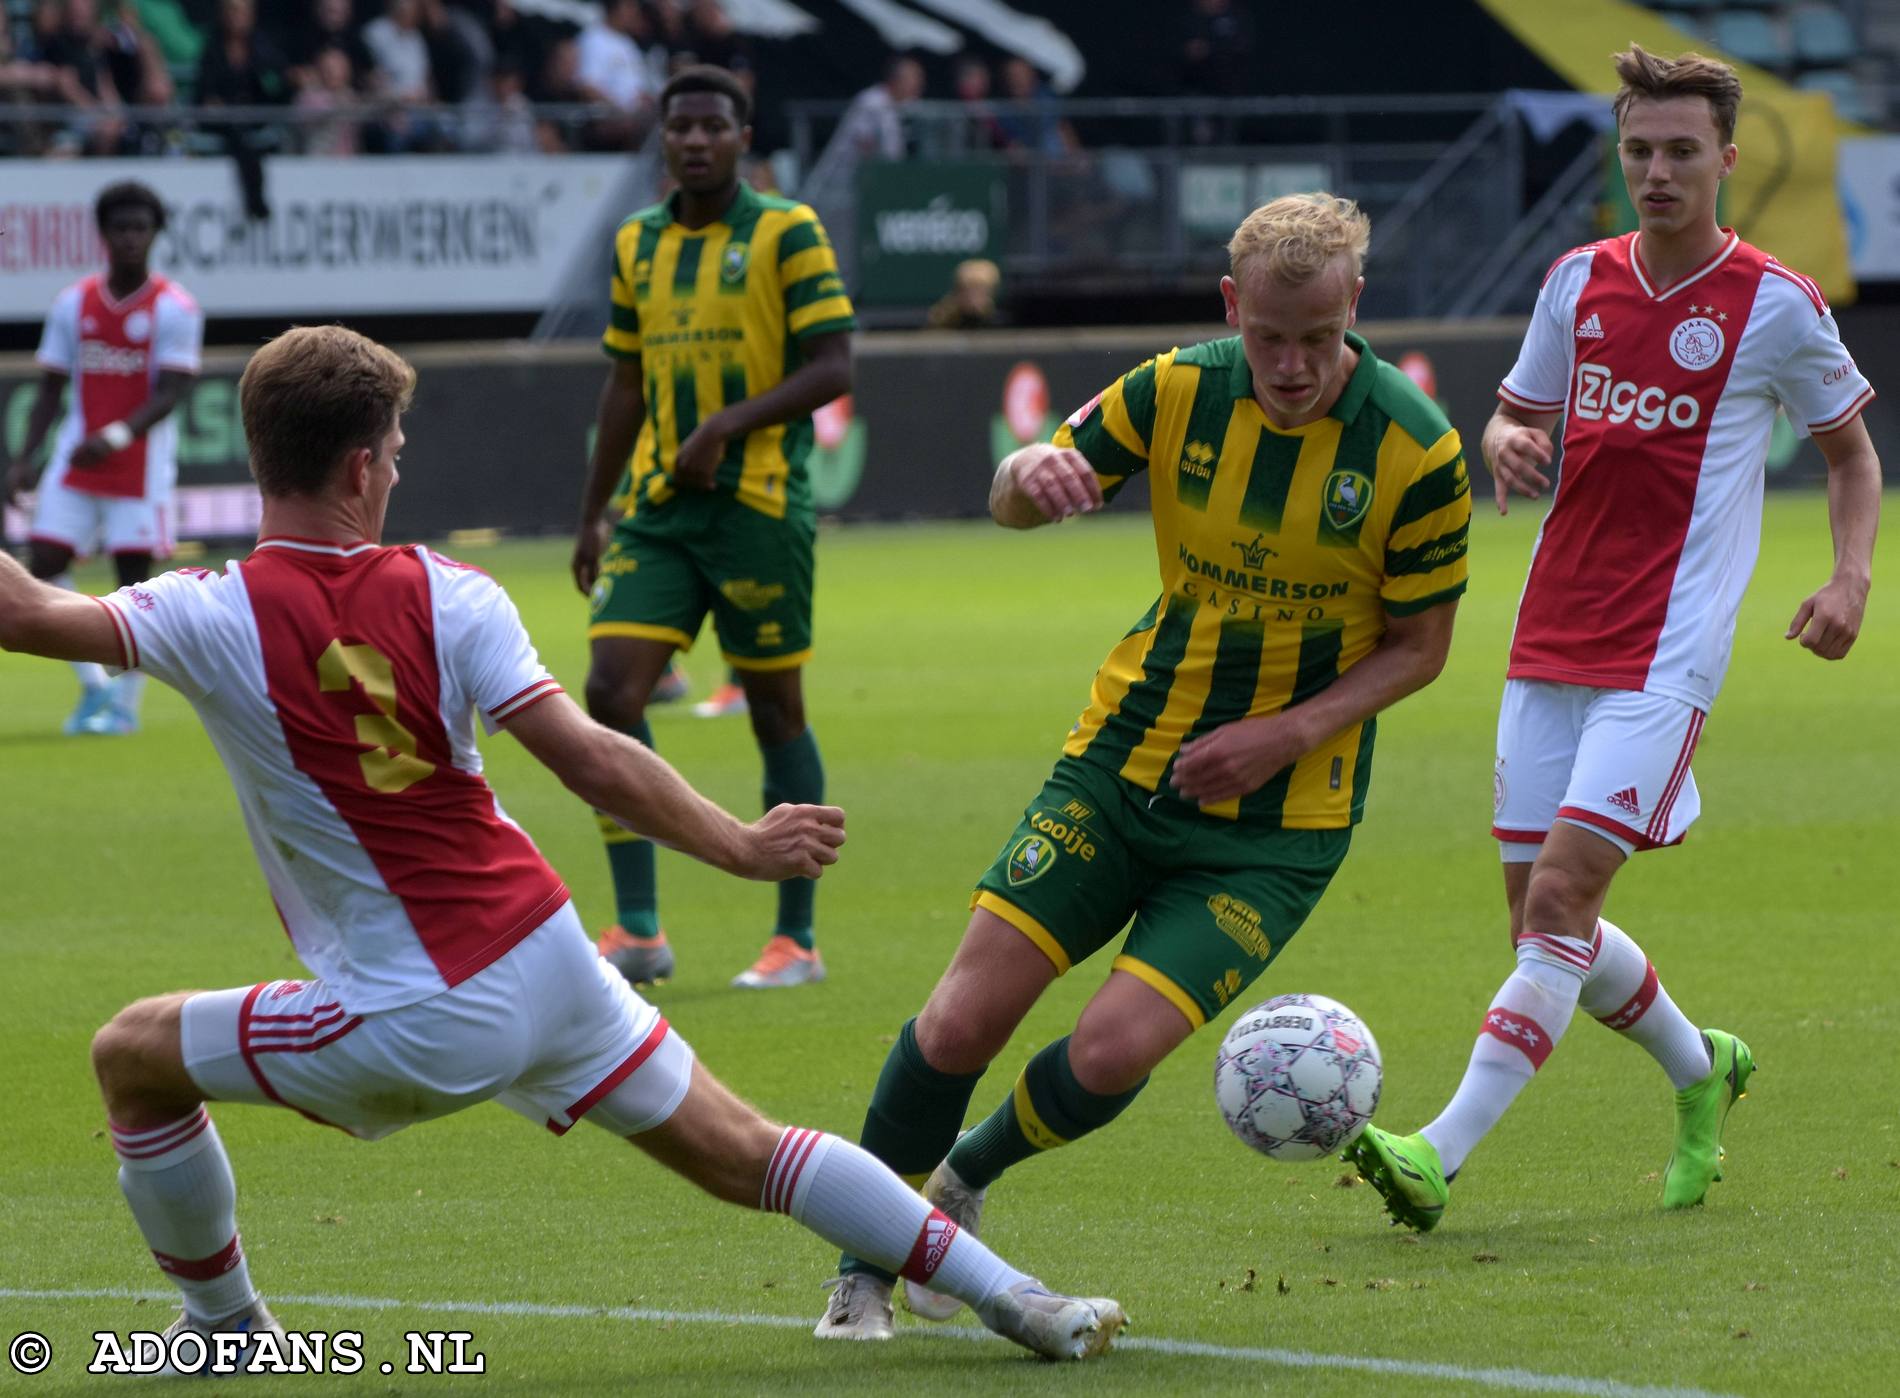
(143, 600)
(1070, 839)
(1626, 801)
(1348, 494)
(615, 564)
(749, 594)
(769, 636)
(1075, 810)
(1226, 987)
(1029, 860)
(1242, 923)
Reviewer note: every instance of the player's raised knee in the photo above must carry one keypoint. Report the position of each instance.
(133, 1050)
(1107, 1064)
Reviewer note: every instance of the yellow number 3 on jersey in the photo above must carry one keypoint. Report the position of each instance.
(392, 764)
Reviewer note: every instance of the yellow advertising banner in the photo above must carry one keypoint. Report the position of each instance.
(1783, 196)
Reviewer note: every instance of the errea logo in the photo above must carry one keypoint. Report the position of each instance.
(1601, 395)
(1197, 459)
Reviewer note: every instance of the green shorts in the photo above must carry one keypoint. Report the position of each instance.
(1213, 901)
(754, 574)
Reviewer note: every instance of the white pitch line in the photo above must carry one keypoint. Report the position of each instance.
(1514, 1380)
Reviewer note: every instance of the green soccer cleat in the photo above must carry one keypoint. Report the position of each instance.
(1406, 1172)
(1696, 1162)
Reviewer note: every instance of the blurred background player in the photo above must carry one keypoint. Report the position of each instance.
(428, 917)
(1313, 554)
(1680, 340)
(128, 343)
(730, 324)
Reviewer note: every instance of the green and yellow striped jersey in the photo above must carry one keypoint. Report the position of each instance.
(1282, 553)
(716, 315)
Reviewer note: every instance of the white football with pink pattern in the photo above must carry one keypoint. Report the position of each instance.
(1298, 1076)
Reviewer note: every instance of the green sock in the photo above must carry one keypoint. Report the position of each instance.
(794, 775)
(630, 858)
(912, 1120)
(1048, 1108)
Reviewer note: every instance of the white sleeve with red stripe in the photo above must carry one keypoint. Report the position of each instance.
(1540, 380)
(178, 331)
(165, 628)
(484, 646)
(1819, 384)
(59, 341)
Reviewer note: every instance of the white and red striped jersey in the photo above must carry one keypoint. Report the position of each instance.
(113, 351)
(337, 684)
(1669, 395)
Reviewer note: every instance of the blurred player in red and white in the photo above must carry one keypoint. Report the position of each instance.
(128, 343)
(1668, 353)
(339, 681)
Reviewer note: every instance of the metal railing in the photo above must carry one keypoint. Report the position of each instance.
(1457, 187)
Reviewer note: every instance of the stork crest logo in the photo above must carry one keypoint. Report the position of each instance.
(1348, 495)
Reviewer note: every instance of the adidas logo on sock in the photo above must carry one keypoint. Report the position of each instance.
(1591, 329)
(1625, 800)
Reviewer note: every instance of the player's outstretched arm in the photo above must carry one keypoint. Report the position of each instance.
(1042, 484)
(1238, 758)
(41, 620)
(1517, 449)
(1828, 622)
(623, 408)
(634, 785)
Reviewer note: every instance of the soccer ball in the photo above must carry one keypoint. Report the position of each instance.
(1298, 1077)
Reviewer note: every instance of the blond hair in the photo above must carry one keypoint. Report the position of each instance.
(1648, 75)
(312, 396)
(1297, 236)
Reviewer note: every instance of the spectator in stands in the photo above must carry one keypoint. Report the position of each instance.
(973, 92)
(1028, 119)
(503, 122)
(327, 24)
(558, 81)
(23, 80)
(612, 70)
(238, 68)
(400, 53)
(872, 127)
(71, 40)
(331, 94)
(461, 55)
(711, 37)
(1217, 50)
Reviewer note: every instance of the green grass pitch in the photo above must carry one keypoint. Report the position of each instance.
(951, 661)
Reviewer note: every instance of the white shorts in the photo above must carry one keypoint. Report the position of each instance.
(1614, 761)
(86, 523)
(550, 1030)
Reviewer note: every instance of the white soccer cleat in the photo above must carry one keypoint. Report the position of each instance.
(1053, 1325)
(782, 963)
(859, 1309)
(946, 1192)
(254, 1319)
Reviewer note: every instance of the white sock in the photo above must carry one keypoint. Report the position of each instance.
(850, 1198)
(1622, 992)
(91, 674)
(128, 691)
(177, 1179)
(1527, 1017)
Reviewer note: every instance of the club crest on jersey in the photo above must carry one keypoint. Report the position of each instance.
(138, 327)
(1697, 343)
(1029, 860)
(1348, 494)
(732, 262)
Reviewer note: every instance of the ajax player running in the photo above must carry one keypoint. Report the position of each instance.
(128, 343)
(1667, 352)
(338, 679)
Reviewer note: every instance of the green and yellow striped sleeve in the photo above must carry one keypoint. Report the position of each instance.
(815, 299)
(1425, 547)
(622, 339)
(1115, 428)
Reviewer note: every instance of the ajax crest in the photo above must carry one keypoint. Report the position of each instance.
(1697, 343)
(1029, 860)
(1348, 494)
